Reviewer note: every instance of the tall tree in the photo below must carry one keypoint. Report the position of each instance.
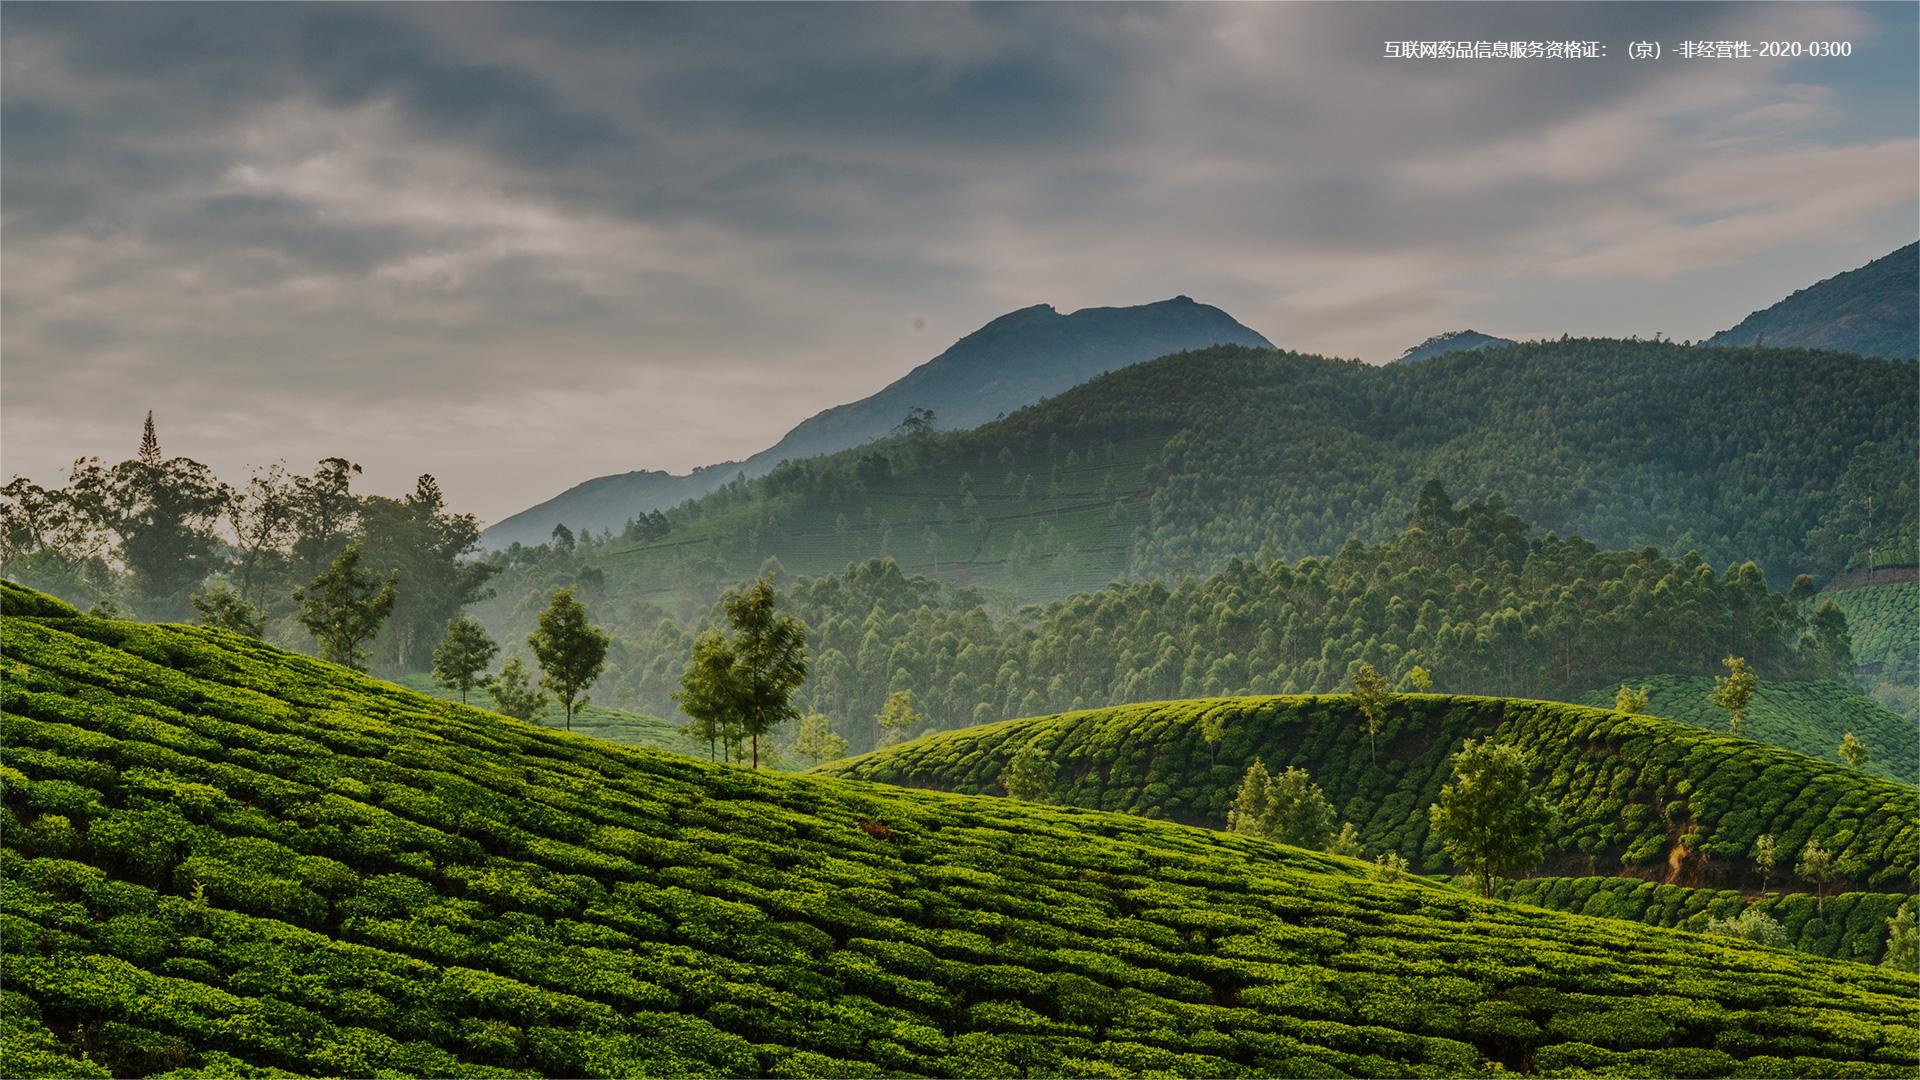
(1490, 819)
(1289, 807)
(571, 652)
(1734, 690)
(896, 717)
(163, 510)
(324, 512)
(1371, 693)
(418, 539)
(1853, 751)
(344, 606)
(1766, 855)
(1816, 865)
(770, 659)
(709, 692)
(262, 519)
(1630, 701)
(464, 653)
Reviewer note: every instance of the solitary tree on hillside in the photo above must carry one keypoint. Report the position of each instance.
(1289, 807)
(709, 692)
(1629, 700)
(815, 741)
(1766, 854)
(897, 717)
(513, 691)
(1371, 694)
(1213, 728)
(464, 653)
(344, 606)
(1734, 690)
(571, 652)
(1029, 775)
(1816, 865)
(1490, 819)
(223, 607)
(1853, 751)
(769, 660)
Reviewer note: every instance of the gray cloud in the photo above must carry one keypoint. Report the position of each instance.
(519, 245)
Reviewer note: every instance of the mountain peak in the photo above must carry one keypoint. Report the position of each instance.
(1451, 341)
(1871, 310)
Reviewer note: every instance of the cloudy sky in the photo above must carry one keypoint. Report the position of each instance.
(519, 246)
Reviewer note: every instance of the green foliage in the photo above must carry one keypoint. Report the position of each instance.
(897, 717)
(223, 608)
(287, 866)
(1766, 856)
(571, 652)
(709, 693)
(1630, 794)
(1883, 629)
(815, 741)
(1852, 751)
(344, 606)
(1289, 808)
(463, 656)
(769, 659)
(1489, 818)
(513, 691)
(1734, 690)
(1752, 925)
(1370, 694)
(1816, 865)
(1808, 717)
(1630, 701)
(1903, 938)
(1030, 775)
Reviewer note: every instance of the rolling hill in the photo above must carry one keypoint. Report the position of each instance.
(1810, 717)
(223, 858)
(1884, 621)
(1013, 361)
(1636, 796)
(598, 721)
(1873, 310)
(1451, 341)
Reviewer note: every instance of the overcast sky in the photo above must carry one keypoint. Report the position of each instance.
(520, 246)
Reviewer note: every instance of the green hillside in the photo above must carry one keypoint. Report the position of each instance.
(1884, 621)
(614, 725)
(1810, 717)
(1182, 464)
(1851, 926)
(1628, 789)
(223, 858)
(1872, 310)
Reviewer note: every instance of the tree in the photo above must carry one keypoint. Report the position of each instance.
(1734, 690)
(1751, 924)
(1347, 842)
(815, 741)
(1370, 692)
(345, 606)
(324, 511)
(1630, 701)
(571, 652)
(709, 692)
(513, 691)
(1816, 865)
(163, 510)
(1853, 751)
(221, 606)
(918, 423)
(1903, 938)
(1490, 819)
(769, 660)
(464, 653)
(1766, 854)
(261, 517)
(1213, 728)
(1030, 775)
(1420, 679)
(1389, 866)
(418, 539)
(1289, 808)
(897, 717)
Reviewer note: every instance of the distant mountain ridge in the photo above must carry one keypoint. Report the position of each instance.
(1012, 362)
(1451, 341)
(1873, 311)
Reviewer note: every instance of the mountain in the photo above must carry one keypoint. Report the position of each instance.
(1013, 361)
(1634, 795)
(1873, 311)
(1809, 717)
(223, 859)
(1451, 341)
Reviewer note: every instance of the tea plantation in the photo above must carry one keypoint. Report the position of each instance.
(1631, 792)
(1851, 925)
(225, 859)
(1810, 717)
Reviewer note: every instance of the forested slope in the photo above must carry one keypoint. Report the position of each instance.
(226, 858)
(1182, 464)
(1634, 795)
(1810, 717)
